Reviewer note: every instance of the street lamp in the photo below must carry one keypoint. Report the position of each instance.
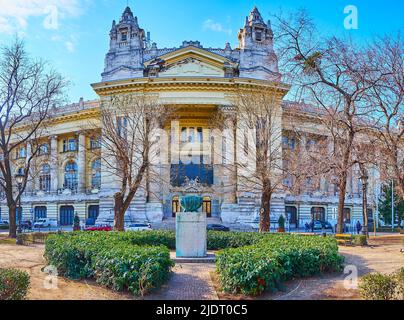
(19, 178)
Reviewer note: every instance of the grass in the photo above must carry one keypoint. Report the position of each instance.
(4, 239)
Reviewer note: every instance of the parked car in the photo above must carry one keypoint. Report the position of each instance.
(326, 225)
(44, 223)
(26, 225)
(318, 225)
(4, 223)
(217, 227)
(138, 227)
(99, 228)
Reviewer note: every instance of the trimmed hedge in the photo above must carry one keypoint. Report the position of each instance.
(110, 258)
(14, 284)
(275, 258)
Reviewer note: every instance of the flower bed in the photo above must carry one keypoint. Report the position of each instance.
(273, 259)
(111, 259)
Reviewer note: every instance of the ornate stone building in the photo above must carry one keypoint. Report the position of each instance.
(198, 81)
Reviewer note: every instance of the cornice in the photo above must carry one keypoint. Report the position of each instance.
(187, 84)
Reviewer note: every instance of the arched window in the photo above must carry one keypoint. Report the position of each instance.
(45, 178)
(44, 149)
(71, 176)
(96, 174)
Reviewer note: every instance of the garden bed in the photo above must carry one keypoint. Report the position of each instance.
(111, 259)
(265, 265)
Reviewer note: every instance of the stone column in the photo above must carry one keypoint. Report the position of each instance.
(230, 168)
(54, 164)
(81, 162)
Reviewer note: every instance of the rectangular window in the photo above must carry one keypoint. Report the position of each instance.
(122, 127)
(124, 37)
(72, 145)
(258, 36)
(95, 143)
(200, 135)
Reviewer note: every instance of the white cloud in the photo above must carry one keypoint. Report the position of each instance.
(15, 14)
(211, 25)
(70, 46)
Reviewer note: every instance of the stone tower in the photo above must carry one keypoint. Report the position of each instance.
(257, 56)
(125, 56)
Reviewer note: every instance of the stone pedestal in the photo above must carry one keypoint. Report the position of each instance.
(191, 235)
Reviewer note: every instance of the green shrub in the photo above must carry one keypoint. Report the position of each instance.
(4, 227)
(113, 259)
(275, 258)
(138, 269)
(14, 284)
(360, 240)
(222, 240)
(377, 286)
(400, 283)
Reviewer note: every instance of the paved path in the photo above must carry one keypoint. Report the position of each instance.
(188, 282)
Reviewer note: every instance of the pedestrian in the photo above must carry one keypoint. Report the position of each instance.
(358, 227)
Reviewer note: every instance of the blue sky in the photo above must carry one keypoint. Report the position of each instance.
(73, 34)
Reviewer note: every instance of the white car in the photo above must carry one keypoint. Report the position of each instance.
(138, 227)
(44, 223)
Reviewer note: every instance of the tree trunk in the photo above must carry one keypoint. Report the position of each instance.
(12, 220)
(365, 207)
(341, 203)
(119, 213)
(265, 212)
(364, 179)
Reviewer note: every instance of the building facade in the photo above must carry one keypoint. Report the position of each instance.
(71, 176)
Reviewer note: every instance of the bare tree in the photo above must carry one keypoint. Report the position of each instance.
(331, 73)
(387, 93)
(28, 91)
(258, 147)
(130, 125)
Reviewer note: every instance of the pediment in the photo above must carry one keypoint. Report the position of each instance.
(191, 62)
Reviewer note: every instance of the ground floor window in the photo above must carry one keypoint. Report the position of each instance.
(318, 214)
(40, 213)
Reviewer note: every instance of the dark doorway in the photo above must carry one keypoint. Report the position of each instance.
(66, 215)
(176, 206)
(207, 206)
(291, 213)
(93, 212)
